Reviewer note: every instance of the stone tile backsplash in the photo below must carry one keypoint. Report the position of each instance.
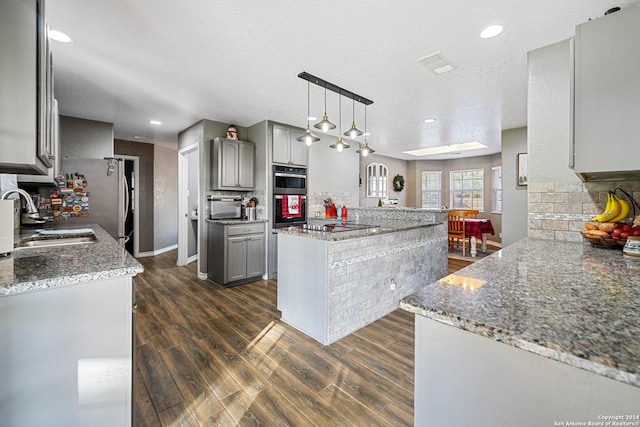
(315, 202)
(558, 211)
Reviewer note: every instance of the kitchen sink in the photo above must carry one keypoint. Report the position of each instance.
(46, 241)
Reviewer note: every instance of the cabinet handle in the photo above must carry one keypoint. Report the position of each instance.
(135, 307)
(52, 157)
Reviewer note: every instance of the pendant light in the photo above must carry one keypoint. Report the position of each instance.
(365, 150)
(308, 138)
(353, 132)
(340, 144)
(325, 124)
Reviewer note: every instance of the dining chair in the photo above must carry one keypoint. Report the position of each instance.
(456, 230)
(469, 213)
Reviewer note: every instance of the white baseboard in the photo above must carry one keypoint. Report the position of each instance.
(494, 243)
(202, 276)
(192, 258)
(157, 251)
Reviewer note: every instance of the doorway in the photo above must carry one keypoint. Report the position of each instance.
(189, 205)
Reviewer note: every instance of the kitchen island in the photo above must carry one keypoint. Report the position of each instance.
(538, 334)
(66, 316)
(333, 282)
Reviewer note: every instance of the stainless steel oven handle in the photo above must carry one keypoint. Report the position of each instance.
(279, 197)
(290, 175)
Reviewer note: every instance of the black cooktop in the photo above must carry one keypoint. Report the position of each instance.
(334, 227)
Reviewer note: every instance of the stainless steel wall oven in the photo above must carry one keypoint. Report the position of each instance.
(289, 210)
(289, 196)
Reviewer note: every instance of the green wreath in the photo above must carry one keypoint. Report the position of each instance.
(398, 183)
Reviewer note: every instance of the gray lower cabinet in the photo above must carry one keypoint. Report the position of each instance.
(236, 253)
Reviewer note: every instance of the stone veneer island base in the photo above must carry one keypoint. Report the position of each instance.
(332, 284)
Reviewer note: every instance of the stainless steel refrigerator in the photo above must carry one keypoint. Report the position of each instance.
(109, 184)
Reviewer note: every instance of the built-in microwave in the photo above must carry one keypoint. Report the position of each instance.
(289, 180)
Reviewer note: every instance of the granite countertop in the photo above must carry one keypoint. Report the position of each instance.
(566, 301)
(377, 227)
(34, 269)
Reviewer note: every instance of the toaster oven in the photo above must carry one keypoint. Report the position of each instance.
(225, 207)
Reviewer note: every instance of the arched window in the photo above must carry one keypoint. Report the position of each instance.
(377, 175)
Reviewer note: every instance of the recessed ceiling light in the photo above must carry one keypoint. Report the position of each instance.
(366, 134)
(312, 118)
(139, 137)
(155, 122)
(429, 120)
(59, 36)
(491, 31)
(443, 149)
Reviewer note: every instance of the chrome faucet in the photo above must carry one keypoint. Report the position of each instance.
(33, 215)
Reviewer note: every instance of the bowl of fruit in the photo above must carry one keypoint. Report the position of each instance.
(609, 234)
(609, 229)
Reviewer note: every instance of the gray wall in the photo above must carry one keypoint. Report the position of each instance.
(549, 111)
(514, 200)
(145, 153)
(165, 194)
(85, 139)
(395, 166)
(331, 174)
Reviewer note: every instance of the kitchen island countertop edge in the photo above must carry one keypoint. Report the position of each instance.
(565, 301)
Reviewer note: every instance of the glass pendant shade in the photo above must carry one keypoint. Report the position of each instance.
(325, 124)
(340, 144)
(308, 138)
(353, 132)
(365, 150)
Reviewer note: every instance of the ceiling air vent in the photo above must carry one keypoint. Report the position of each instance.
(437, 63)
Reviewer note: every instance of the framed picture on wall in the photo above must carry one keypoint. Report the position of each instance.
(521, 169)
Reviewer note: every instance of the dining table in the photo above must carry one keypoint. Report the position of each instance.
(477, 229)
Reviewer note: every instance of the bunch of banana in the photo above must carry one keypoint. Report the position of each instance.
(616, 210)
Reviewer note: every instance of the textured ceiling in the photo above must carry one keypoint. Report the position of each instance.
(237, 62)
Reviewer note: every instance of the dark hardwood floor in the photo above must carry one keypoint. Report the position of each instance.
(207, 356)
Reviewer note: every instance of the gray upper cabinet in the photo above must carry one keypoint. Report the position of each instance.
(233, 165)
(286, 149)
(607, 96)
(56, 170)
(26, 84)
